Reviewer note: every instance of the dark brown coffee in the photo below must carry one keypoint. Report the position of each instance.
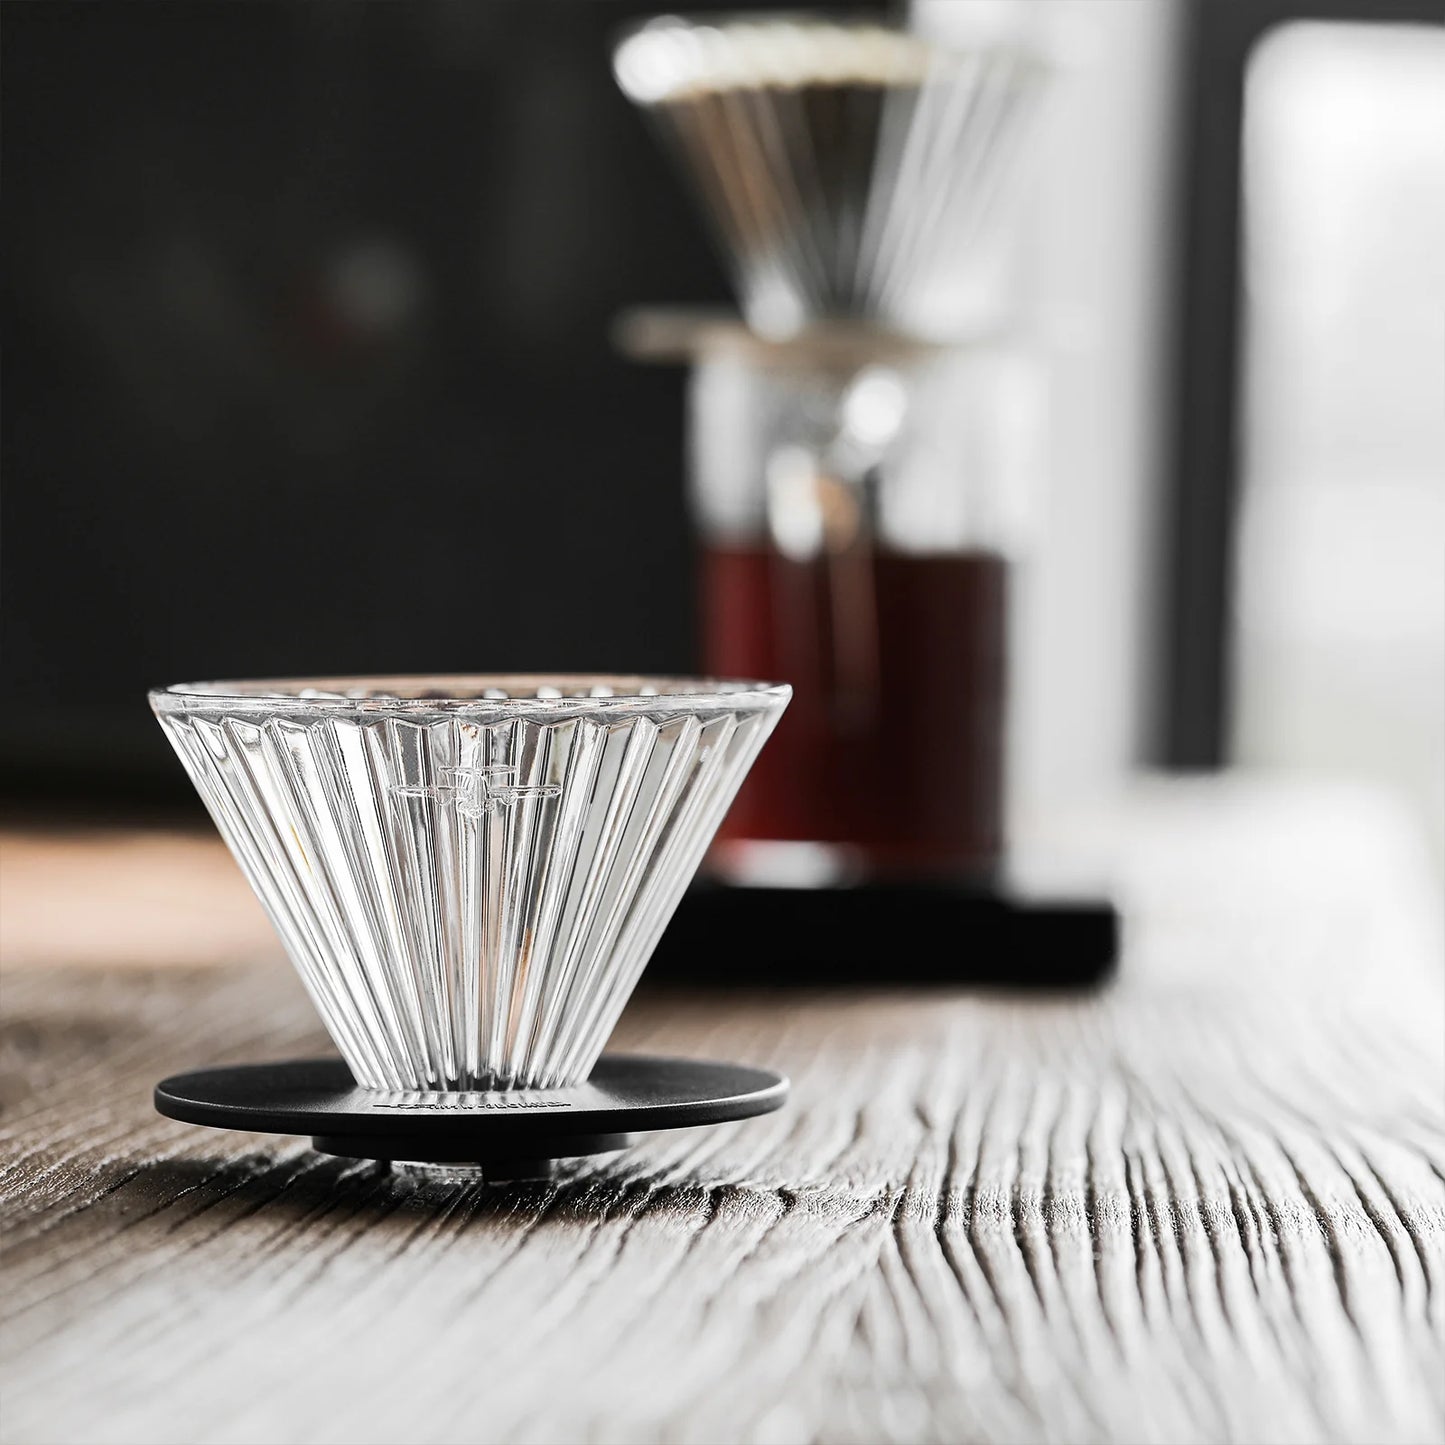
(893, 742)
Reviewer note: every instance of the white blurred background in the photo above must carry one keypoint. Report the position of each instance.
(1336, 629)
(1340, 659)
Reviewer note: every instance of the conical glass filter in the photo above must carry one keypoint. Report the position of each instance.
(469, 874)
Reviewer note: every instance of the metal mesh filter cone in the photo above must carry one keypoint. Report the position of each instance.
(469, 874)
(850, 169)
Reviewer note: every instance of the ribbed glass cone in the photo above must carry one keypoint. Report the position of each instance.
(469, 874)
(851, 170)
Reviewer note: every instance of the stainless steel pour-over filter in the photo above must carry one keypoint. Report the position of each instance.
(849, 169)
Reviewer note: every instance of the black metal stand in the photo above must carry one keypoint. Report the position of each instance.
(504, 1135)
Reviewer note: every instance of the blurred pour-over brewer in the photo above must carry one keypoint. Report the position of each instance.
(859, 445)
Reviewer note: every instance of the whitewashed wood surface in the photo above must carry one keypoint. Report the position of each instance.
(1206, 1204)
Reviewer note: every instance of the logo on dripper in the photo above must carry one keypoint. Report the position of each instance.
(477, 791)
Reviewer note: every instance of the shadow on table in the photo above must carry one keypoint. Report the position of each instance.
(319, 1190)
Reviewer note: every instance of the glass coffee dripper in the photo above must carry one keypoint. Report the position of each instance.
(469, 873)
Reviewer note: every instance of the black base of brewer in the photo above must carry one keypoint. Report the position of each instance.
(508, 1134)
(887, 933)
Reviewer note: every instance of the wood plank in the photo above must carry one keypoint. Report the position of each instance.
(1208, 1204)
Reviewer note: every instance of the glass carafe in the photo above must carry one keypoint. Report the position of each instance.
(857, 499)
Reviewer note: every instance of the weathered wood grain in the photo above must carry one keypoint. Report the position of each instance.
(1208, 1204)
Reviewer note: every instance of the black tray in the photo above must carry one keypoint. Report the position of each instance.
(887, 933)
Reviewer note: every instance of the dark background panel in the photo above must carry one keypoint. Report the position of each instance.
(305, 320)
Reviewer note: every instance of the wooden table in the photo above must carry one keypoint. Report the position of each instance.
(1207, 1204)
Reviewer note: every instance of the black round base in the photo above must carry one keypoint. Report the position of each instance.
(510, 1135)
